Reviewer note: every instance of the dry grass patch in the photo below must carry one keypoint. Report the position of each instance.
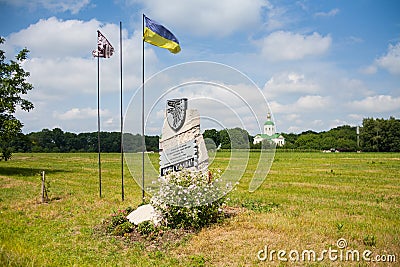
(7, 182)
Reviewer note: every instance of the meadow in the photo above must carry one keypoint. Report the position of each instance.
(308, 202)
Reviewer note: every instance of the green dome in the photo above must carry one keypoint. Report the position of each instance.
(269, 123)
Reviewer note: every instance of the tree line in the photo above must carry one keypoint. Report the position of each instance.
(342, 138)
(57, 140)
(375, 135)
(380, 135)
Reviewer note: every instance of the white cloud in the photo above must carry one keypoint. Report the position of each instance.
(73, 6)
(65, 76)
(308, 103)
(294, 129)
(357, 117)
(350, 88)
(110, 122)
(293, 117)
(276, 107)
(80, 113)
(60, 56)
(207, 17)
(391, 61)
(312, 102)
(378, 103)
(56, 38)
(317, 123)
(371, 69)
(330, 13)
(276, 18)
(337, 122)
(64, 72)
(289, 82)
(354, 40)
(283, 45)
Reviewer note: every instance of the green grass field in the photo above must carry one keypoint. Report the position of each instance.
(307, 202)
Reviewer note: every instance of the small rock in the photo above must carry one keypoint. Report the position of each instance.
(144, 213)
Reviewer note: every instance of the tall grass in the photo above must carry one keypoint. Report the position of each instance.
(308, 201)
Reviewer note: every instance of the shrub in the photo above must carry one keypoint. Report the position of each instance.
(189, 199)
(118, 224)
(123, 228)
(146, 228)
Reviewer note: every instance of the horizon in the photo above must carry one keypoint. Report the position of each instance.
(305, 131)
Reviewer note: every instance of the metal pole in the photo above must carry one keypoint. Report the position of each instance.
(122, 147)
(98, 120)
(358, 137)
(143, 138)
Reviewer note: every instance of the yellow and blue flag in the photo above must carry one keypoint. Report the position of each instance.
(156, 34)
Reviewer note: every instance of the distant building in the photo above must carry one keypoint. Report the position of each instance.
(269, 133)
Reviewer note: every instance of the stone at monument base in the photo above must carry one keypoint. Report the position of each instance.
(144, 213)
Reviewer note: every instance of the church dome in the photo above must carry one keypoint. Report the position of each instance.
(269, 123)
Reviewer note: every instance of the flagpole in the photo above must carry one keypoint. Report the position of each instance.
(166, 35)
(122, 146)
(143, 138)
(98, 120)
(105, 50)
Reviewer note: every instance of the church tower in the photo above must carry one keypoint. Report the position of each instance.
(269, 133)
(269, 126)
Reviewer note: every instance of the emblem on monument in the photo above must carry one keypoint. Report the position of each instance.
(176, 113)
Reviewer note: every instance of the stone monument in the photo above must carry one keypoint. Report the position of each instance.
(181, 147)
(181, 144)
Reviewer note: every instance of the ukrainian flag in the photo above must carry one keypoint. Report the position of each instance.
(156, 34)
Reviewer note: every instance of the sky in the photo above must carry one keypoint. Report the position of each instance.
(318, 64)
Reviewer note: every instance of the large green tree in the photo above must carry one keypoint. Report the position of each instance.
(13, 84)
(380, 135)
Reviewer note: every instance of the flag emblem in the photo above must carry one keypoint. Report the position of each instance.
(104, 48)
(176, 113)
(156, 34)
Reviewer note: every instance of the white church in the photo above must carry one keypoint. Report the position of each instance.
(269, 133)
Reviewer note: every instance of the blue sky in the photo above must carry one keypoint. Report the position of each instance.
(320, 64)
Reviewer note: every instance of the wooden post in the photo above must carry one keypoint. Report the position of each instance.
(43, 186)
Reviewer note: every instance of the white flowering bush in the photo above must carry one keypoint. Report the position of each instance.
(188, 199)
